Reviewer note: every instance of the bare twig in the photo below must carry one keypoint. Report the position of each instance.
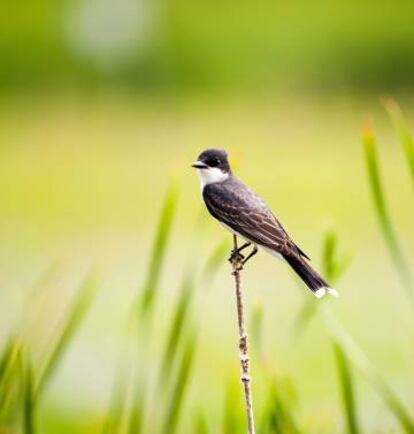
(236, 262)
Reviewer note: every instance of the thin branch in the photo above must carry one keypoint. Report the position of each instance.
(236, 262)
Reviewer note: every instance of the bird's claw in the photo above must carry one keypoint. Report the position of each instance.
(236, 259)
(235, 256)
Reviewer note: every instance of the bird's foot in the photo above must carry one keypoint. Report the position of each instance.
(235, 255)
(236, 259)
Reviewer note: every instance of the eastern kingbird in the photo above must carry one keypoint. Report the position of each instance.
(246, 215)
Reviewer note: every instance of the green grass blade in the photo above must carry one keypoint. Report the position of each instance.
(29, 399)
(4, 359)
(256, 330)
(364, 365)
(117, 405)
(136, 417)
(403, 416)
(178, 392)
(374, 179)
(7, 360)
(77, 313)
(406, 140)
(347, 389)
(176, 330)
(159, 249)
(216, 259)
(10, 367)
(279, 416)
(231, 407)
(200, 423)
(304, 316)
(333, 266)
(328, 255)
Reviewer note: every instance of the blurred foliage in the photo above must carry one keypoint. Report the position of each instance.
(388, 228)
(29, 400)
(65, 335)
(405, 137)
(55, 164)
(176, 328)
(347, 389)
(170, 45)
(138, 404)
(148, 293)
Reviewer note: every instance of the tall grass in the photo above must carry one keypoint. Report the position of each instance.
(148, 292)
(165, 392)
(404, 135)
(11, 381)
(117, 406)
(29, 398)
(65, 335)
(216, 260)
(136, 416)
(370, 372)
(141, 319)
(380, 205)
(347, 388)
(388, 230)
(21, 382)
(151, 395)
(178, 390)
(177, 329)
(278, 416)
(200, 425)
(348, 354)
(232, 397)
(334, 265)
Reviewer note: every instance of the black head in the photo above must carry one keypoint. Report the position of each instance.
(213, 158)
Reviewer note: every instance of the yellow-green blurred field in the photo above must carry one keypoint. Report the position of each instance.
(83, 179)
(117, 310)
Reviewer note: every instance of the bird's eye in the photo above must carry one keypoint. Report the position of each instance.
(213, 162)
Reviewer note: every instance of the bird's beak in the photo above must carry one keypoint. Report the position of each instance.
(199, 165)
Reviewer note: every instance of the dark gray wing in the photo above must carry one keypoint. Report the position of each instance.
(235, 205)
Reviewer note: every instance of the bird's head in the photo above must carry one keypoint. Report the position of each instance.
(212, 166)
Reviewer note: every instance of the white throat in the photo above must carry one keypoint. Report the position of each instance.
(211, 176)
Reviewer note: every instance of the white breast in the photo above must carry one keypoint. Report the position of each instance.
(211, 176)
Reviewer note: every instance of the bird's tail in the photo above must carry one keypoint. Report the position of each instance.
(313, 280)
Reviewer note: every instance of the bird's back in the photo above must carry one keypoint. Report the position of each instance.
(235, 192)
(240, 208)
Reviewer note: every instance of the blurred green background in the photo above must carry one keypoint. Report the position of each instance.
(104, 104)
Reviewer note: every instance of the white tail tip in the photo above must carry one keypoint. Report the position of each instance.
(333, 292)
(320, 292)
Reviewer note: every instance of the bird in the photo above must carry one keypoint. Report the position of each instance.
(241, 211)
